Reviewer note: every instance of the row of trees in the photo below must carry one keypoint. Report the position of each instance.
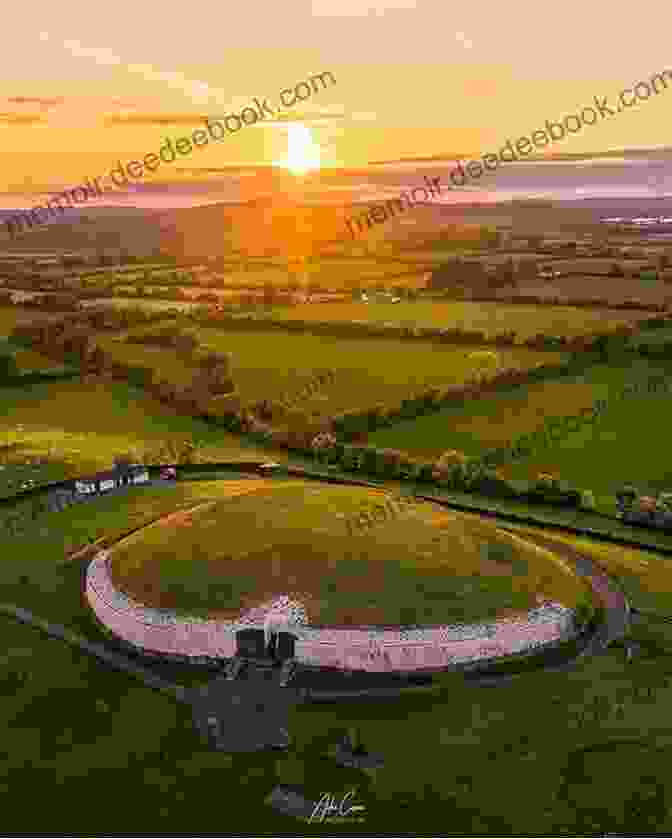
(453, 470)
(250, 322)
(630, 304)
(73, 340)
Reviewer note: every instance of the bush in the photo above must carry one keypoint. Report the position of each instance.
(450, 458)
(582, 614)
(379, 464)
(490, 483)
(587, 500)
(425, 473)
(351, 423)
(348, 459)
(369, 460)
(405, 468)
(140, 376)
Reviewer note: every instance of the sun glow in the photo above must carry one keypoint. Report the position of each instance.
(303, 153)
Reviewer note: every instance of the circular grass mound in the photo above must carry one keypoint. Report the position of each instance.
(416, 564)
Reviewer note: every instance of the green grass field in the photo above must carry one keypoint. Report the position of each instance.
(268, 365)
(601, 456)
(491, 318)
(628, 444)
(55, 421)
(420, 566)
(563, 753)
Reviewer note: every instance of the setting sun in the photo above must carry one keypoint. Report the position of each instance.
(303, 153)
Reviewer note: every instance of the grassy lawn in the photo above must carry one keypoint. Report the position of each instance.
(55, 420)
(490, 763)
(492, 318)
(646, 577)
(422, 566)
(542, 755)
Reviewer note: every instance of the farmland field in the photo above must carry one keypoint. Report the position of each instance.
(627, 444)
(12, 316)
(54, 420)
(594, 265)
(613, 289)
(166, 363)
(600, 456)
(338, 273)
(31, 361)
(139, 303)
(490, 422)
(492, 318)
(267, 365)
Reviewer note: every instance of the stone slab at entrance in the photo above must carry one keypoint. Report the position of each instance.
(246, 714)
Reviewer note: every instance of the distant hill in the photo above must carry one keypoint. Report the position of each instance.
(91, 228)
(280, 225)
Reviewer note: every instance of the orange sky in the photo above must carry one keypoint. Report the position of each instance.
(412, 79)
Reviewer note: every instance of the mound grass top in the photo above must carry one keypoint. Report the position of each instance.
(266, 539)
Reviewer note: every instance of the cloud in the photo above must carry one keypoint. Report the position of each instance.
(198, 91)
(332, 114)
(121, 103)
(224, 170)
(291, 117)
(281, 118)
(156, 119)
